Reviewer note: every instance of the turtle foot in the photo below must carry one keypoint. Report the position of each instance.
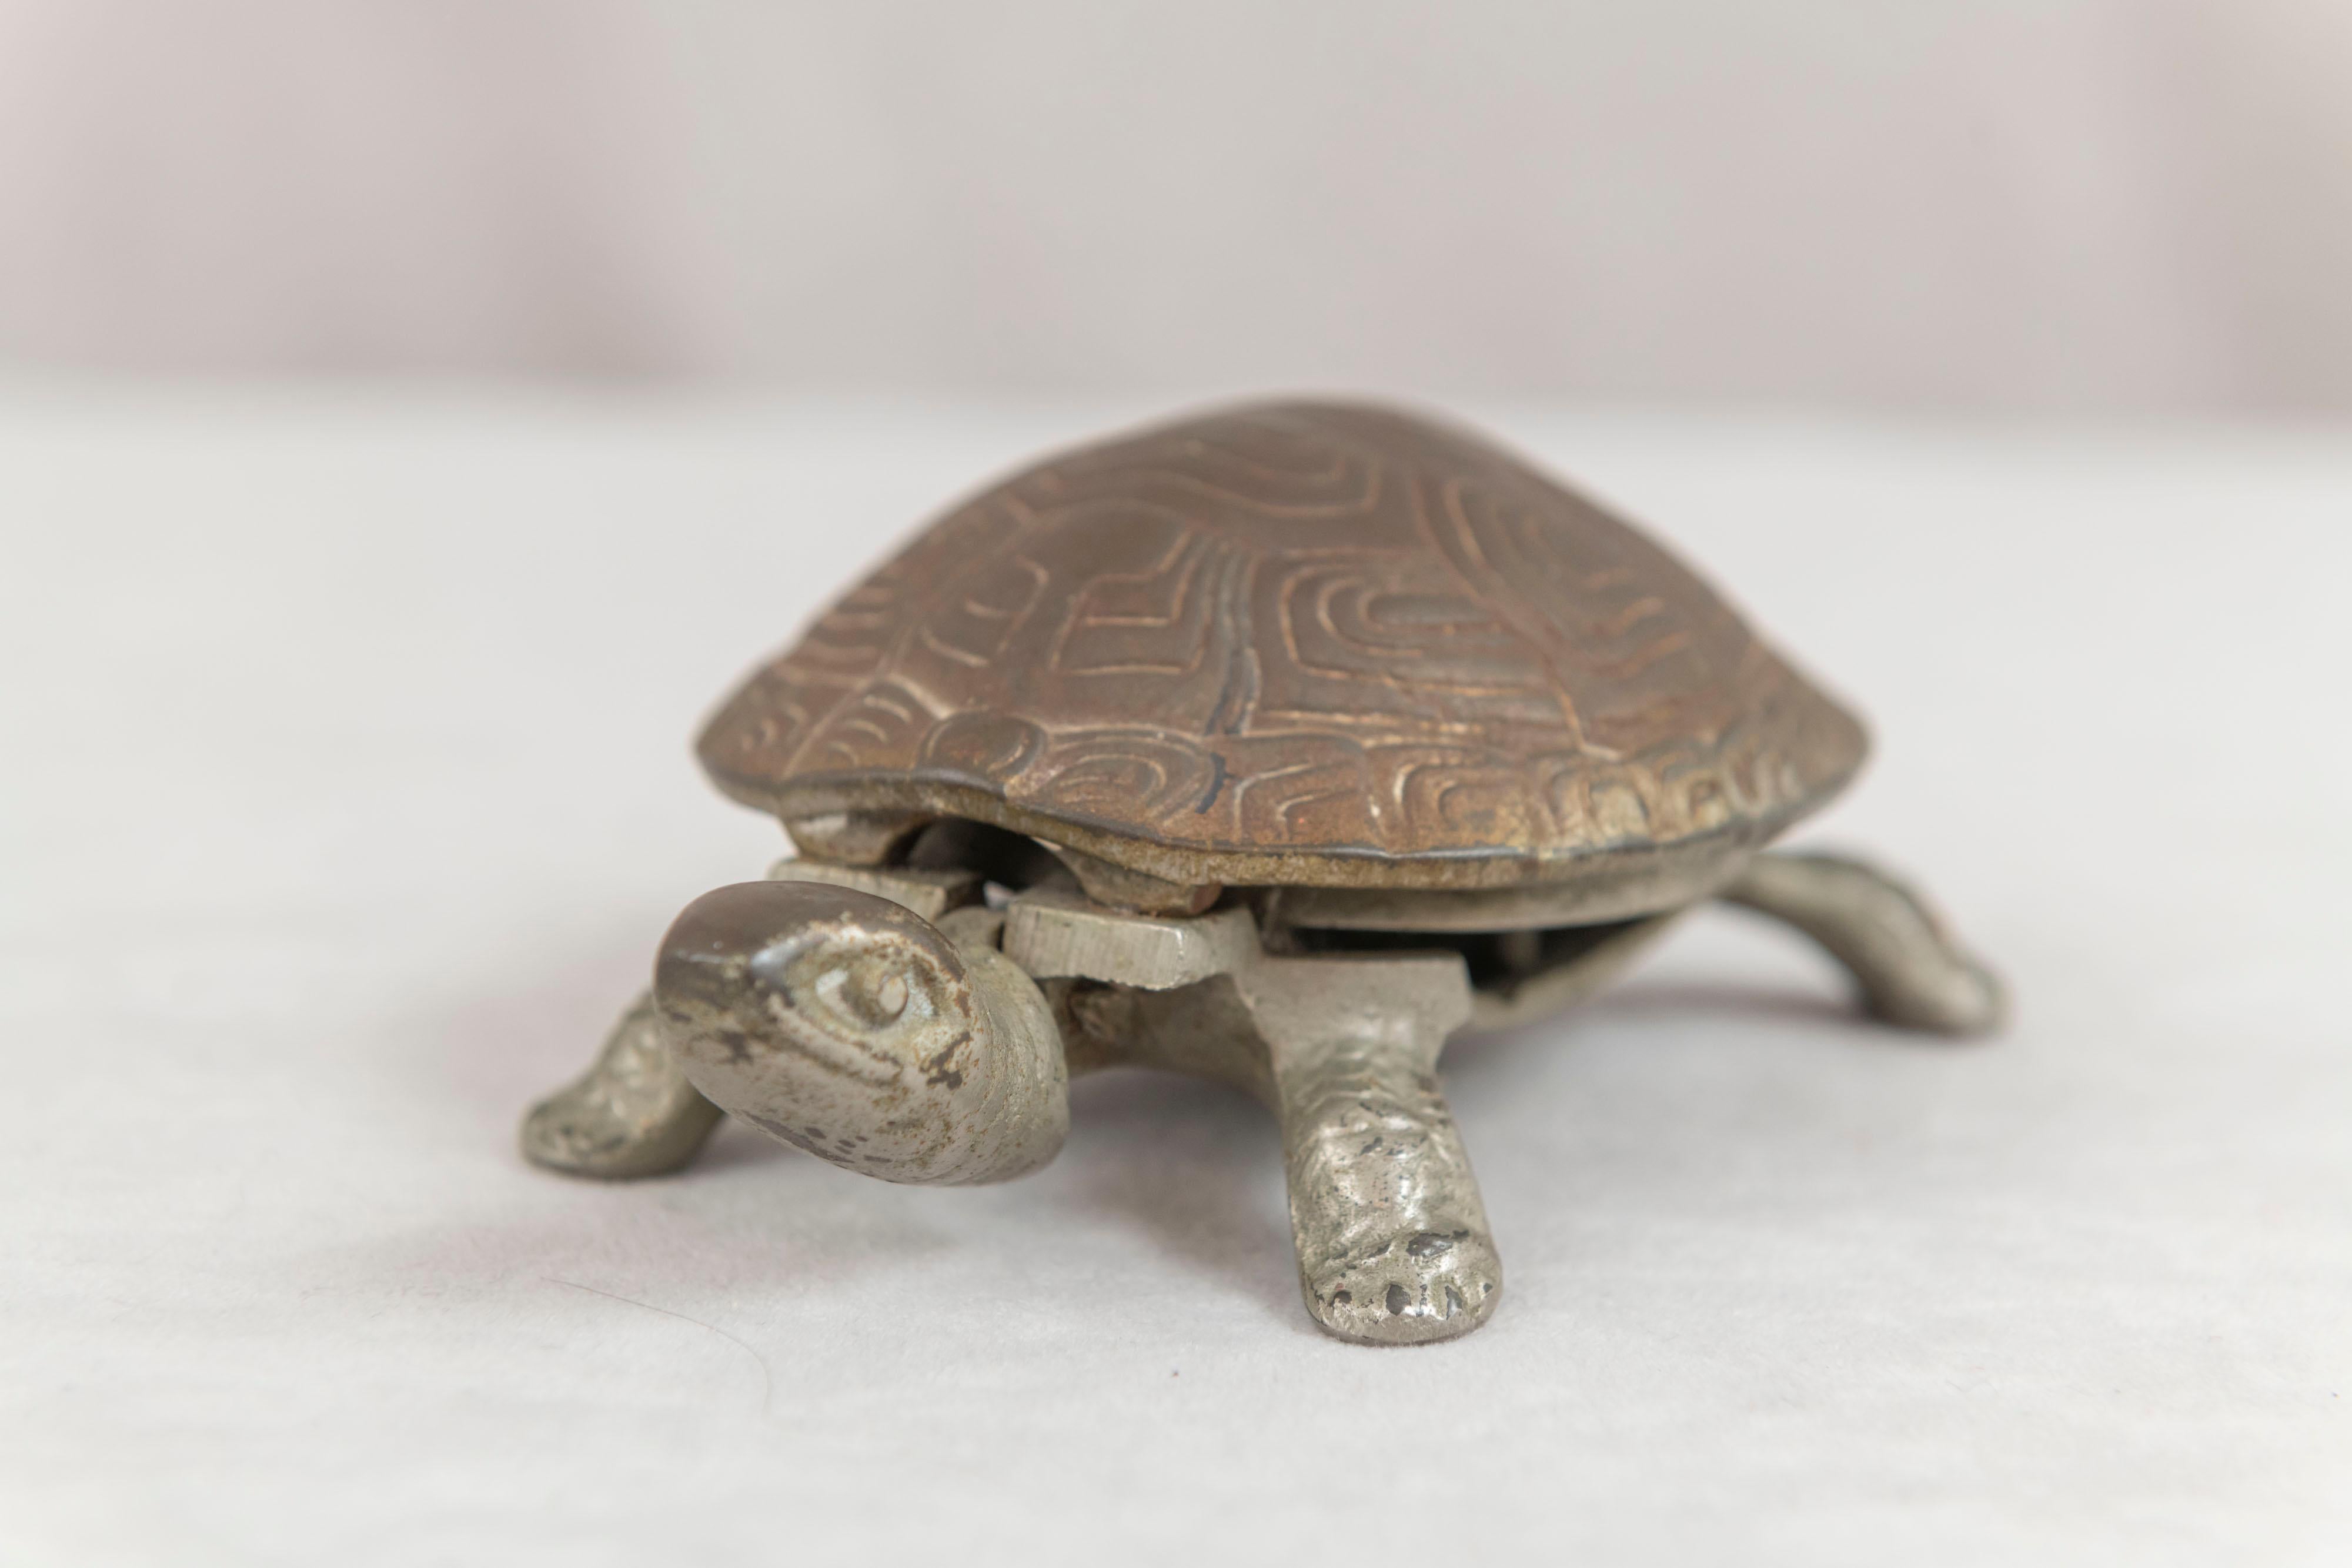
(1393, 1244)
(1413, 1288)
(1912, 971)
(632, 1115)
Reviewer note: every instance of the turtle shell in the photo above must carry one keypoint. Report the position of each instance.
(1296, 643)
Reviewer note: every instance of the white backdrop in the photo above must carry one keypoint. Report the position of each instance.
(348, 793)
(2070, 203)
(347, 785)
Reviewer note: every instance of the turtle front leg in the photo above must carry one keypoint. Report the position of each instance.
(631, 1115)
(1913, 973)
(1394, 1247)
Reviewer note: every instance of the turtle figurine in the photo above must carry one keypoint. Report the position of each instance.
(1273, 745)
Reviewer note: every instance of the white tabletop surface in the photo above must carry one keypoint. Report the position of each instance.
(344, 791)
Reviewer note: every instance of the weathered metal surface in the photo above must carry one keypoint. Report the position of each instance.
(1393, 1240)
(929, 893)
(1390, 1233)
(844, 1023)
(854, 838)
(1059, 937)
(1290, 643)
(1121, 887)
(633, 1114)
(1910, 969)
(1541, 989)
(1607, 887)
(850, 1027)
(1272, 747)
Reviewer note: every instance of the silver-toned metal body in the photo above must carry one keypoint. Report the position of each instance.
(889, 1021)
(1274, 744)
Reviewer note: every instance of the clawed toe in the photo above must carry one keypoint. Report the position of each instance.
(1964, 999)
(1428, 1285)
(633, 1115)
(583, 1133)
(1912, 971)
(565, 1135)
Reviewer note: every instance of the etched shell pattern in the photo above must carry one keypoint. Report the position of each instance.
(1297, 630)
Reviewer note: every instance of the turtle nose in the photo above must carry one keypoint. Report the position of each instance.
(850, 1027)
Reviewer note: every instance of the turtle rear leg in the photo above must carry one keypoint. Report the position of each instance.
(1393, 1244)
(631, 1115)
(1913, 973)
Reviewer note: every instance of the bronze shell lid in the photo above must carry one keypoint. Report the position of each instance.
(1296, 643)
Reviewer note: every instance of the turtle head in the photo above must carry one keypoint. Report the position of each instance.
(853, 1028)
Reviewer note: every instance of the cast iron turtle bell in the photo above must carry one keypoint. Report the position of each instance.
(1274, 746)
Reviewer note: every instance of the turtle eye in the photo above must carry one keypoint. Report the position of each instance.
(885, 987)
(872, 988)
